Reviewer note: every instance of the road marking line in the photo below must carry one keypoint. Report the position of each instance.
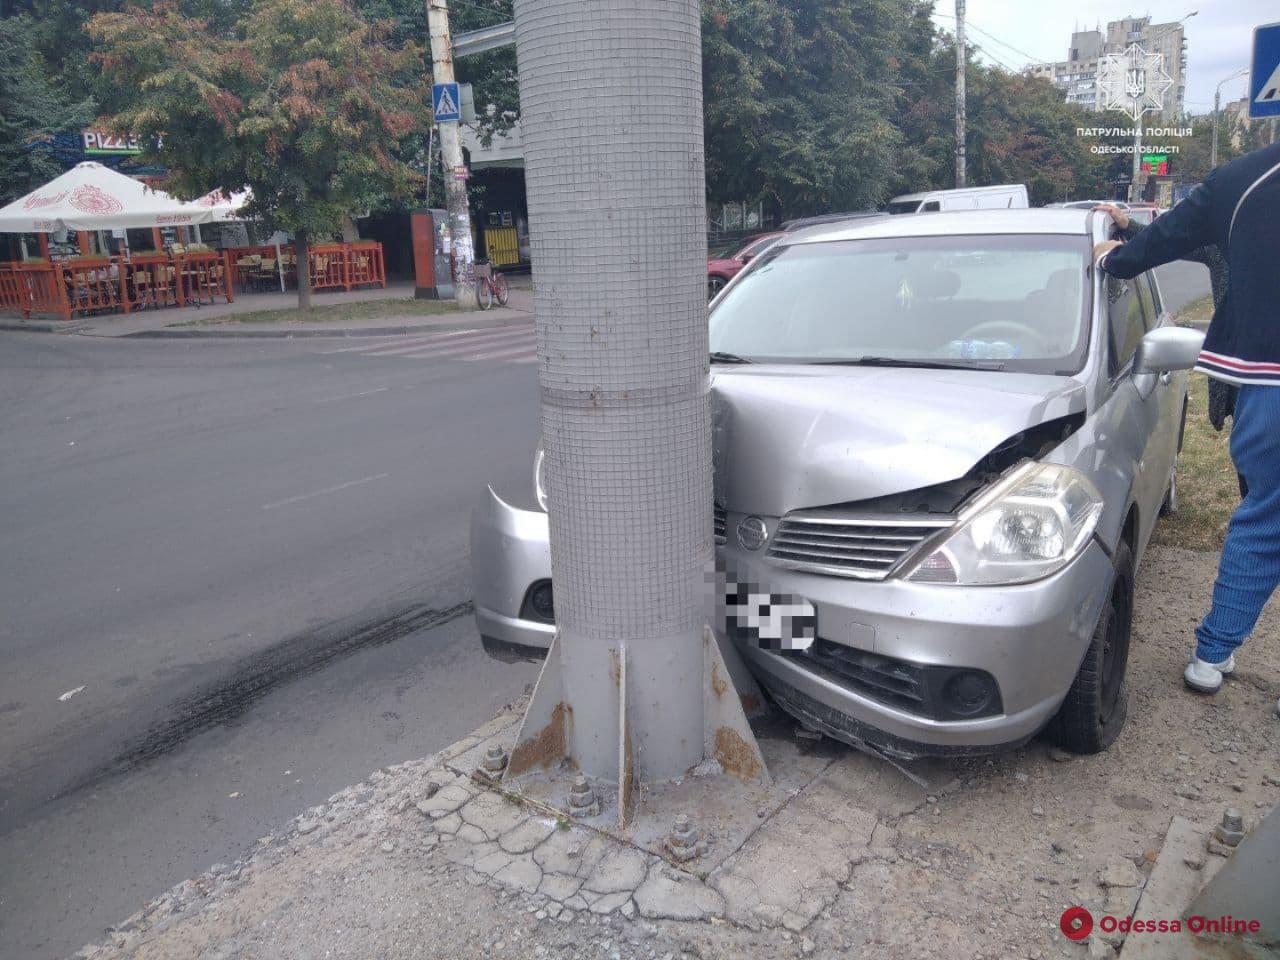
(326, 490)
(453, 345)
(510, 343)
(352, 396)
(478, 338)
(511, 353)
(406, 338)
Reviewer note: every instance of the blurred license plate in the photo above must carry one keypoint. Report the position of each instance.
(771, 621)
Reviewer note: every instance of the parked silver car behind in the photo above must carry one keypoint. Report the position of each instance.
(944, 441)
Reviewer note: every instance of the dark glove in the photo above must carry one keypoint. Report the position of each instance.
(1222, 402)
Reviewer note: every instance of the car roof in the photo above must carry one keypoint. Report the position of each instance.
(994, 188)
(971, 222)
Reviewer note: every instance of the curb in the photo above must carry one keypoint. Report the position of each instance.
(170, 333)
(50, 326)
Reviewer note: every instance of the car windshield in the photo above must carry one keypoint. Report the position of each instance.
(1018, 303)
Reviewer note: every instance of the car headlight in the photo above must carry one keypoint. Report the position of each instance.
(540, 476)
(1030, 525)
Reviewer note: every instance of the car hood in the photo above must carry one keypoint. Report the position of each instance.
(723, 266)
(791, 437)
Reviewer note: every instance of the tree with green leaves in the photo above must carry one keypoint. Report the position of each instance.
(33, 106)
(303, 101)
(800, 100)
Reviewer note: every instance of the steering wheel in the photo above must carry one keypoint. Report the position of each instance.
(997, 328)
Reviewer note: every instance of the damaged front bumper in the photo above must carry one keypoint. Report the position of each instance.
(1028, 639)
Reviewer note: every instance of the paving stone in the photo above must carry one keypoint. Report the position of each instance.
(611, 902)
(668, 894)
(527, 835)
(576, 902)
(521, 873)
(493, 862)
(493, 814)
(793, 867)
(573, 852)
(621, 868)
(449, 824)
(559, 887)
(446, 800)
(471, 834)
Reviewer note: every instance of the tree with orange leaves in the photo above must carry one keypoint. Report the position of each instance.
(302, 101)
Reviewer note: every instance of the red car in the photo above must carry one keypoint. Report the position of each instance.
(721, 271)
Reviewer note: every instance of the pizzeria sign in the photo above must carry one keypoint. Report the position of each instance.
(96, 143)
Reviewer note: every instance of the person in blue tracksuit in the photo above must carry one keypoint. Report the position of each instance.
(1238, 208)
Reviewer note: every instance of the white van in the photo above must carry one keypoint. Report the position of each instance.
(1010, 195)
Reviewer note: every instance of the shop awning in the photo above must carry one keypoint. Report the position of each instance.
(90, 196)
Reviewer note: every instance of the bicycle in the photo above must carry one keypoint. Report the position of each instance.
(490, 286)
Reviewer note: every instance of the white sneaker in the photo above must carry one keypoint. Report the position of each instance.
(1207, 677)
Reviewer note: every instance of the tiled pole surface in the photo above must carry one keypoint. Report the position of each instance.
(611, 118)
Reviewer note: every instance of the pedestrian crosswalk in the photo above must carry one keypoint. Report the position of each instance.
(497, 344)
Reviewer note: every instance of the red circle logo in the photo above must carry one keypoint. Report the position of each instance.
(90, 199)
(1076, 923)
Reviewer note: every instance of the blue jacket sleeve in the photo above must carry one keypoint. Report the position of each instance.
(1170, 237)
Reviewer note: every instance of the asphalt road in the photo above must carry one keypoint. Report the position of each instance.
(233, 581)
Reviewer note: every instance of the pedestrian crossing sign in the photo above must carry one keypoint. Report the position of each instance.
(1264, 74)
(445, 102)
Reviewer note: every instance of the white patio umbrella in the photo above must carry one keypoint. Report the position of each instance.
(228, 208)
(90, 196)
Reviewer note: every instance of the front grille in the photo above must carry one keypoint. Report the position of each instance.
(719, 522)
(866, 548)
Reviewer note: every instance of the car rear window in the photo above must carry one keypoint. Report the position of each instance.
(1021, 300)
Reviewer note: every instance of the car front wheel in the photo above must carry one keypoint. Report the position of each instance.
(714, 286)
(1094, 712)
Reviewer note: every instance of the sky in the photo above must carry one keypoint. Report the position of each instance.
(1219, 36)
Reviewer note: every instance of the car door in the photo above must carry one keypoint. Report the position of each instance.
(1169, 393)
(1133, 409)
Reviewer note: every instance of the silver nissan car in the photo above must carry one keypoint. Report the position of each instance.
(941, 444)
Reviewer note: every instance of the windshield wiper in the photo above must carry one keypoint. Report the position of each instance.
(923, 364)
(719, 356)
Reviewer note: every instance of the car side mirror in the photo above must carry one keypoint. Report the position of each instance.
(746, 257)
(1166, 349)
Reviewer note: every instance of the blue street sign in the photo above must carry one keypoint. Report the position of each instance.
(1264, 77)
(444, 102)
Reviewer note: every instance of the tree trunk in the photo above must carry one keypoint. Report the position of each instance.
(611, 118)
(302, 251)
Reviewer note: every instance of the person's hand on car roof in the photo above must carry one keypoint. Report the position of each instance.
(1119, 216)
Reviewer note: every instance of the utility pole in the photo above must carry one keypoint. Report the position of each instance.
(455, 183)
(1217, 112)
(961, 57)
(1217, 109)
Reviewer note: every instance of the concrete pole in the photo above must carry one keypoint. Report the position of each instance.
(1217, 107)
(455, 189)
(612, 123)
(1135, 189)
(961, 57)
